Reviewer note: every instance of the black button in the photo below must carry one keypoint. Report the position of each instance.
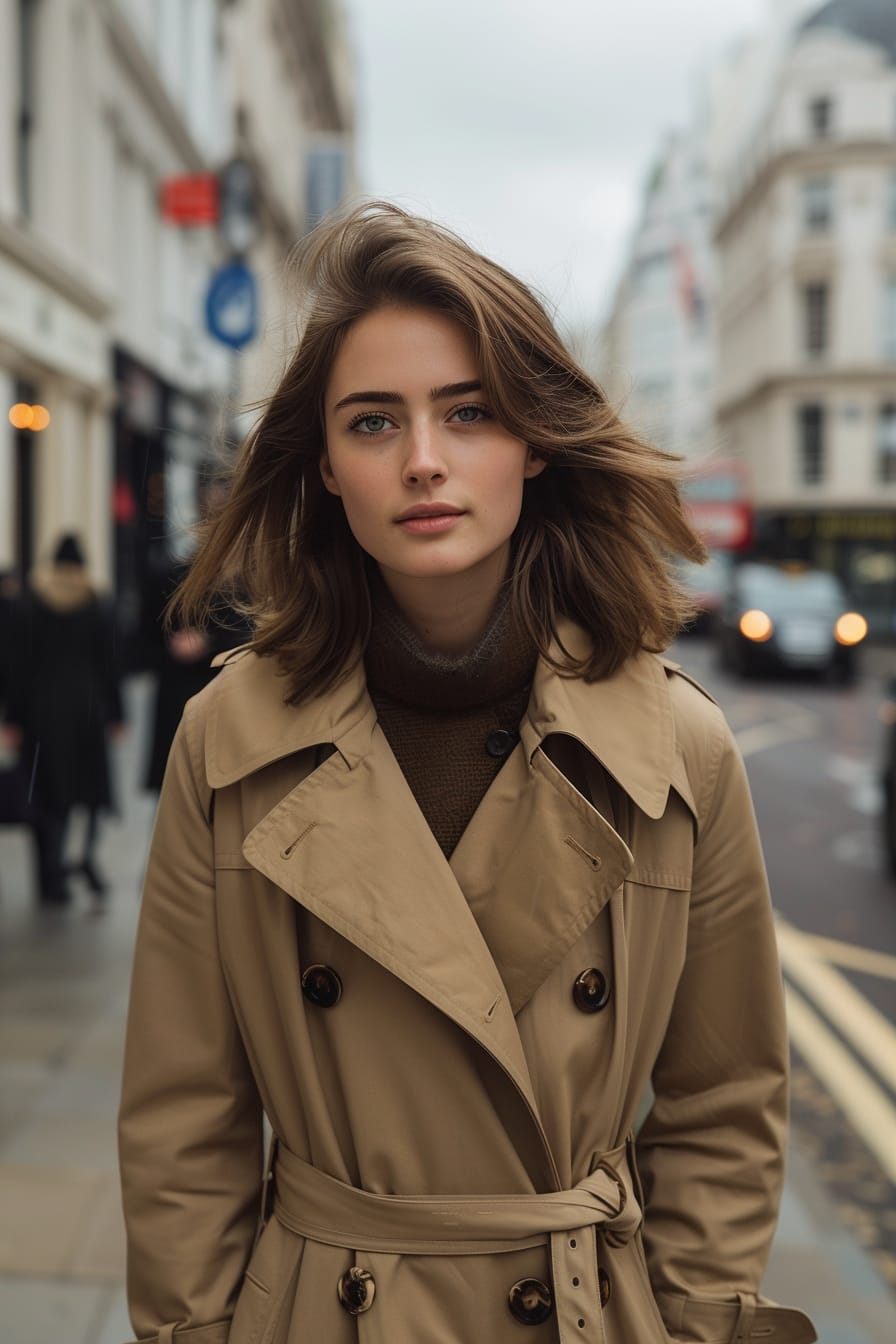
(530, 1301)
(356, 1290)
(500, 743)
(321, 986)
(603, 1281)
(591, 991)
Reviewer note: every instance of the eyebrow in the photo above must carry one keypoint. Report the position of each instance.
(396, 399)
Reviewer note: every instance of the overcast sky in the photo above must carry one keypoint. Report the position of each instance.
(529, 125)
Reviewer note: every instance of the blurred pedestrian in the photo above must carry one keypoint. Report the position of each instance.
(180, 656)
(449, 866)
(15, 809)
(10, 596)
(63, 701)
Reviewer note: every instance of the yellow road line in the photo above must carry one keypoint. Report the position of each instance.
(866, 1029)
(866, 1107)
(856, 958)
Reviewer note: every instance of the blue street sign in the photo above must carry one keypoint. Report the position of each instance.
(231, 305)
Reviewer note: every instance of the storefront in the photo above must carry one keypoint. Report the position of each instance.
(163, 442)
(54, 474)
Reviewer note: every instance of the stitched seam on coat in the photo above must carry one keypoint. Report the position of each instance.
(651, 877)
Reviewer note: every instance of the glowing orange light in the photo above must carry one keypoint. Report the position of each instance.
(40, 418)
(21, 416)
(851, 628)
(757, 626)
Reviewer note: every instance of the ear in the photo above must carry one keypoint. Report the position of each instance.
(535, 465)
(327, 476)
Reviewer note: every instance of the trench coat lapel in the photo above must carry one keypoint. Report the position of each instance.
(537, 864)
(352, 846)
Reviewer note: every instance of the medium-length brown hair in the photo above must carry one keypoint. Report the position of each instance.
(598, 528)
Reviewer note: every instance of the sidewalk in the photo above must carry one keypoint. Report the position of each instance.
(63, 994)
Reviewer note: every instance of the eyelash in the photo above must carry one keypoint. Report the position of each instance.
(381, 415)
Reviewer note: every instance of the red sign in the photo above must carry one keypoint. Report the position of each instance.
(190, 201)
(723, 525)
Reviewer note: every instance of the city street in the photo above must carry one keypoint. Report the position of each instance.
(811, 755)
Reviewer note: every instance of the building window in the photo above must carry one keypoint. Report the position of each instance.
(886, 443)
(815, 319)
(818, 203)
(811, 445)
(27, 105)
(888, 342)
(820, 118)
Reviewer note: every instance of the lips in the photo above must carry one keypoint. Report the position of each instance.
(429, 511)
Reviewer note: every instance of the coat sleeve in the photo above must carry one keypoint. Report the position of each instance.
(711, 1150)
(190, 1125)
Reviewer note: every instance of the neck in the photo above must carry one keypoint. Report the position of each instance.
(450, 614)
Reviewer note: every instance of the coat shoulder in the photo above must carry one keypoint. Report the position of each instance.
(242, 678)
(702, 734)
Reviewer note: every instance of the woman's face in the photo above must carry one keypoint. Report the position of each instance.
(431, 484)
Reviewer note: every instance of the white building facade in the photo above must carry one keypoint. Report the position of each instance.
(806, 312)
(657, 352)
(101, 297)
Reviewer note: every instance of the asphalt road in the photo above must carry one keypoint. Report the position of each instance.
(813, 755)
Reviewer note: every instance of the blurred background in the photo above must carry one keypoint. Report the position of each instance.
(706, 198)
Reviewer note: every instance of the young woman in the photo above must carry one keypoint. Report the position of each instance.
(449, 867)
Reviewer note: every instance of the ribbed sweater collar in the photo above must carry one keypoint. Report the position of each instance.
(399, 665)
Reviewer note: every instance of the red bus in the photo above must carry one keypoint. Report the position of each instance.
(718, 500)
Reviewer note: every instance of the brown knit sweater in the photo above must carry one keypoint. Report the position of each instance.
(451, 722)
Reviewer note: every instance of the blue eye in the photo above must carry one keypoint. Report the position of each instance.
(471, 414)
(371, 422)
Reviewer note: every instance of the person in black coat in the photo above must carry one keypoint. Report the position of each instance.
(63, 700)
(181, 656)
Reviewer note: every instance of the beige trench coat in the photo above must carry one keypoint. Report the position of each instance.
(454, 1104)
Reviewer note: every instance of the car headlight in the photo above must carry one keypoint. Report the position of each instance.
(756, 625)
(851, 628)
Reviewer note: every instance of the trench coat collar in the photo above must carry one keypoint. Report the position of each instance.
(251, 725)
(625, 721)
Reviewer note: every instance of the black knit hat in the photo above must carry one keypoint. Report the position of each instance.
(68, 551)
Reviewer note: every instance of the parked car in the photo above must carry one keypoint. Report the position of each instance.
(887, 715)
(788, 616)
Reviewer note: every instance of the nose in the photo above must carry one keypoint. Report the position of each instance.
(423, 459)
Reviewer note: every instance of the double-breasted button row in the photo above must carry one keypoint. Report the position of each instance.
(591, 990)
(321, 986)
(531, 1301)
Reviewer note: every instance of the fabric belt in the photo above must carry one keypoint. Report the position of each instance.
(325, 1210)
